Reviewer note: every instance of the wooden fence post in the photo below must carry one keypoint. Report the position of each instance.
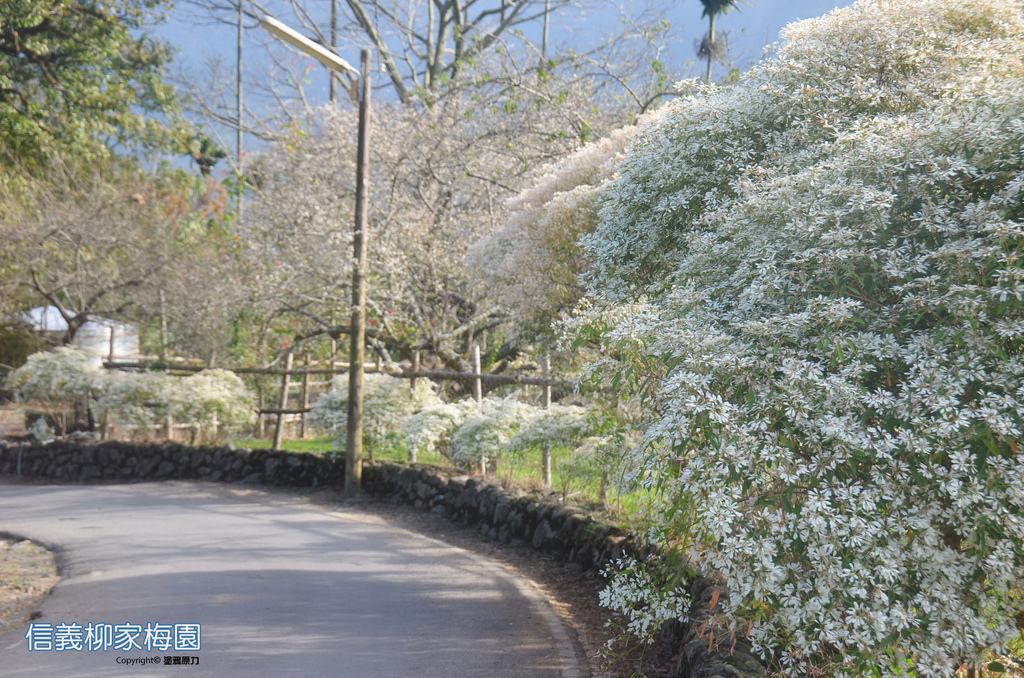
(478, 388)
(478, 394)
(261, 421)
(163, 327)
(546, 449)
(412, 386)
(110, 358)
(279, 427)
(305, 398)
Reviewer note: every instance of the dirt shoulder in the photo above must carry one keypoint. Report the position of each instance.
(27, 574)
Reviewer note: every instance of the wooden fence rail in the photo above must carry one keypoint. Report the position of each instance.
(476, 377)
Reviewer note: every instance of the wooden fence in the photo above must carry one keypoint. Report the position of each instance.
(284, 414)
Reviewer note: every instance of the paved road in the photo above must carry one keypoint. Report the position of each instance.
(281, 587)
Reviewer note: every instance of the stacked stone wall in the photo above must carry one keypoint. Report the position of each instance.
(129, 462)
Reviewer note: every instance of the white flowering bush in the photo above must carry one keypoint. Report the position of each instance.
(210, 394)
(41, 430)
(636, 593)
(564, 425)
(64, 374)
(485, 435)
(386, 401)
(133, 399)
(532, 264)
(814, 281)
(431, 428)
(58, 379)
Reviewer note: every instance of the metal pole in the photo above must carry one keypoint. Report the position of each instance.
(238, 93)
(354, 442)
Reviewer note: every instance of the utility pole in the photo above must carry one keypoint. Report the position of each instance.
(544, 41)
(238, 95)
(333, 98)
(354, 442)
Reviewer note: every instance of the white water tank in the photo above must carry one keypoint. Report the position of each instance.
(93, 336)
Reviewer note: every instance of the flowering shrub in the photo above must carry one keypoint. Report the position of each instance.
(565, 425)
(386, 401)
(532, 264)
(814, 280)
(634, 592)
(134, 399)
(484, 436)
(431, 428)
(63, 375)
(58, 379)
(208, 394)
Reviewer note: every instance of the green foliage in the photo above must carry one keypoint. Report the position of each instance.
(76, 76)
(716, 7)
(16, 345)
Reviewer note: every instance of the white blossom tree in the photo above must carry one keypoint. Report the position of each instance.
(441, 179)
(532, 265)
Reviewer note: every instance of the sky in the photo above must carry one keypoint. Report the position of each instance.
(749, 28)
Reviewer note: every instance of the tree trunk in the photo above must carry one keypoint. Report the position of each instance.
(711, 45)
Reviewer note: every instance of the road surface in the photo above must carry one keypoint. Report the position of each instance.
(279, 587)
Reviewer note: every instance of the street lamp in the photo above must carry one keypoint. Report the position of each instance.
(354, 442)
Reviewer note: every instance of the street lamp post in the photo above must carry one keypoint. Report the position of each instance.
(354, 441)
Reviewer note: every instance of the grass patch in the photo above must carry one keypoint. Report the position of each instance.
(574, 477)
(312, 445)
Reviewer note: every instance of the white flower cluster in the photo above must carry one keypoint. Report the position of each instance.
(63, 375)
(133, 399)
(823, 271)
(386, 401)
(431, 429)
(636, 594)
(209, 394)
(468, 434)
(485, 435)
(508, 427)
(563, 425)
(532, 263)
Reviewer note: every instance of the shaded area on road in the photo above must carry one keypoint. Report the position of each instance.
(280, 587)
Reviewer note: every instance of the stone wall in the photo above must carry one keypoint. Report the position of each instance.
(118, 461)
(539, 519)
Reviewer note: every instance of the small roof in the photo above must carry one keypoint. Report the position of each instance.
(49, 319)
